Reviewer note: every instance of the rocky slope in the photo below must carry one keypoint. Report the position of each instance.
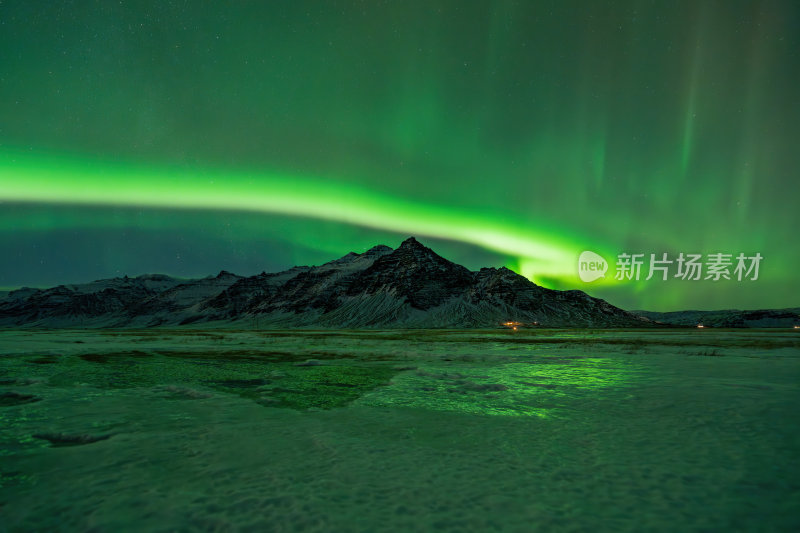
(383, 288)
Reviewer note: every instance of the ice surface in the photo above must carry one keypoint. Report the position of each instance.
(164, 430)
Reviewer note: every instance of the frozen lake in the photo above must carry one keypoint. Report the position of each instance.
(570, 430)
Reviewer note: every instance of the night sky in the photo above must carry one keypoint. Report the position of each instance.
(187, 137)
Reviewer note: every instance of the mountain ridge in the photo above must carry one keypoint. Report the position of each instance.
(788, 317)
(407, 287)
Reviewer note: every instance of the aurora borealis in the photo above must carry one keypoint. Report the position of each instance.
(185, 138)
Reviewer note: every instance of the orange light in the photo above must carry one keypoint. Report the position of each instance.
(515, 328)
(700, 326)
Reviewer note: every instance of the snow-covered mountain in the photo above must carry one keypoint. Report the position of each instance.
(731, 318)
(408, 287)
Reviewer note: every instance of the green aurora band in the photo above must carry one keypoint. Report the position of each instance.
(61, 181)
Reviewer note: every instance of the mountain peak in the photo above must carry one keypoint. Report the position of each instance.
(411, 242)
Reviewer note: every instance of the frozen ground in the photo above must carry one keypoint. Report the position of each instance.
(157, 430)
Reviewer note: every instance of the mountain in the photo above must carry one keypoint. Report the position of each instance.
(731, 318)
(408, 287)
